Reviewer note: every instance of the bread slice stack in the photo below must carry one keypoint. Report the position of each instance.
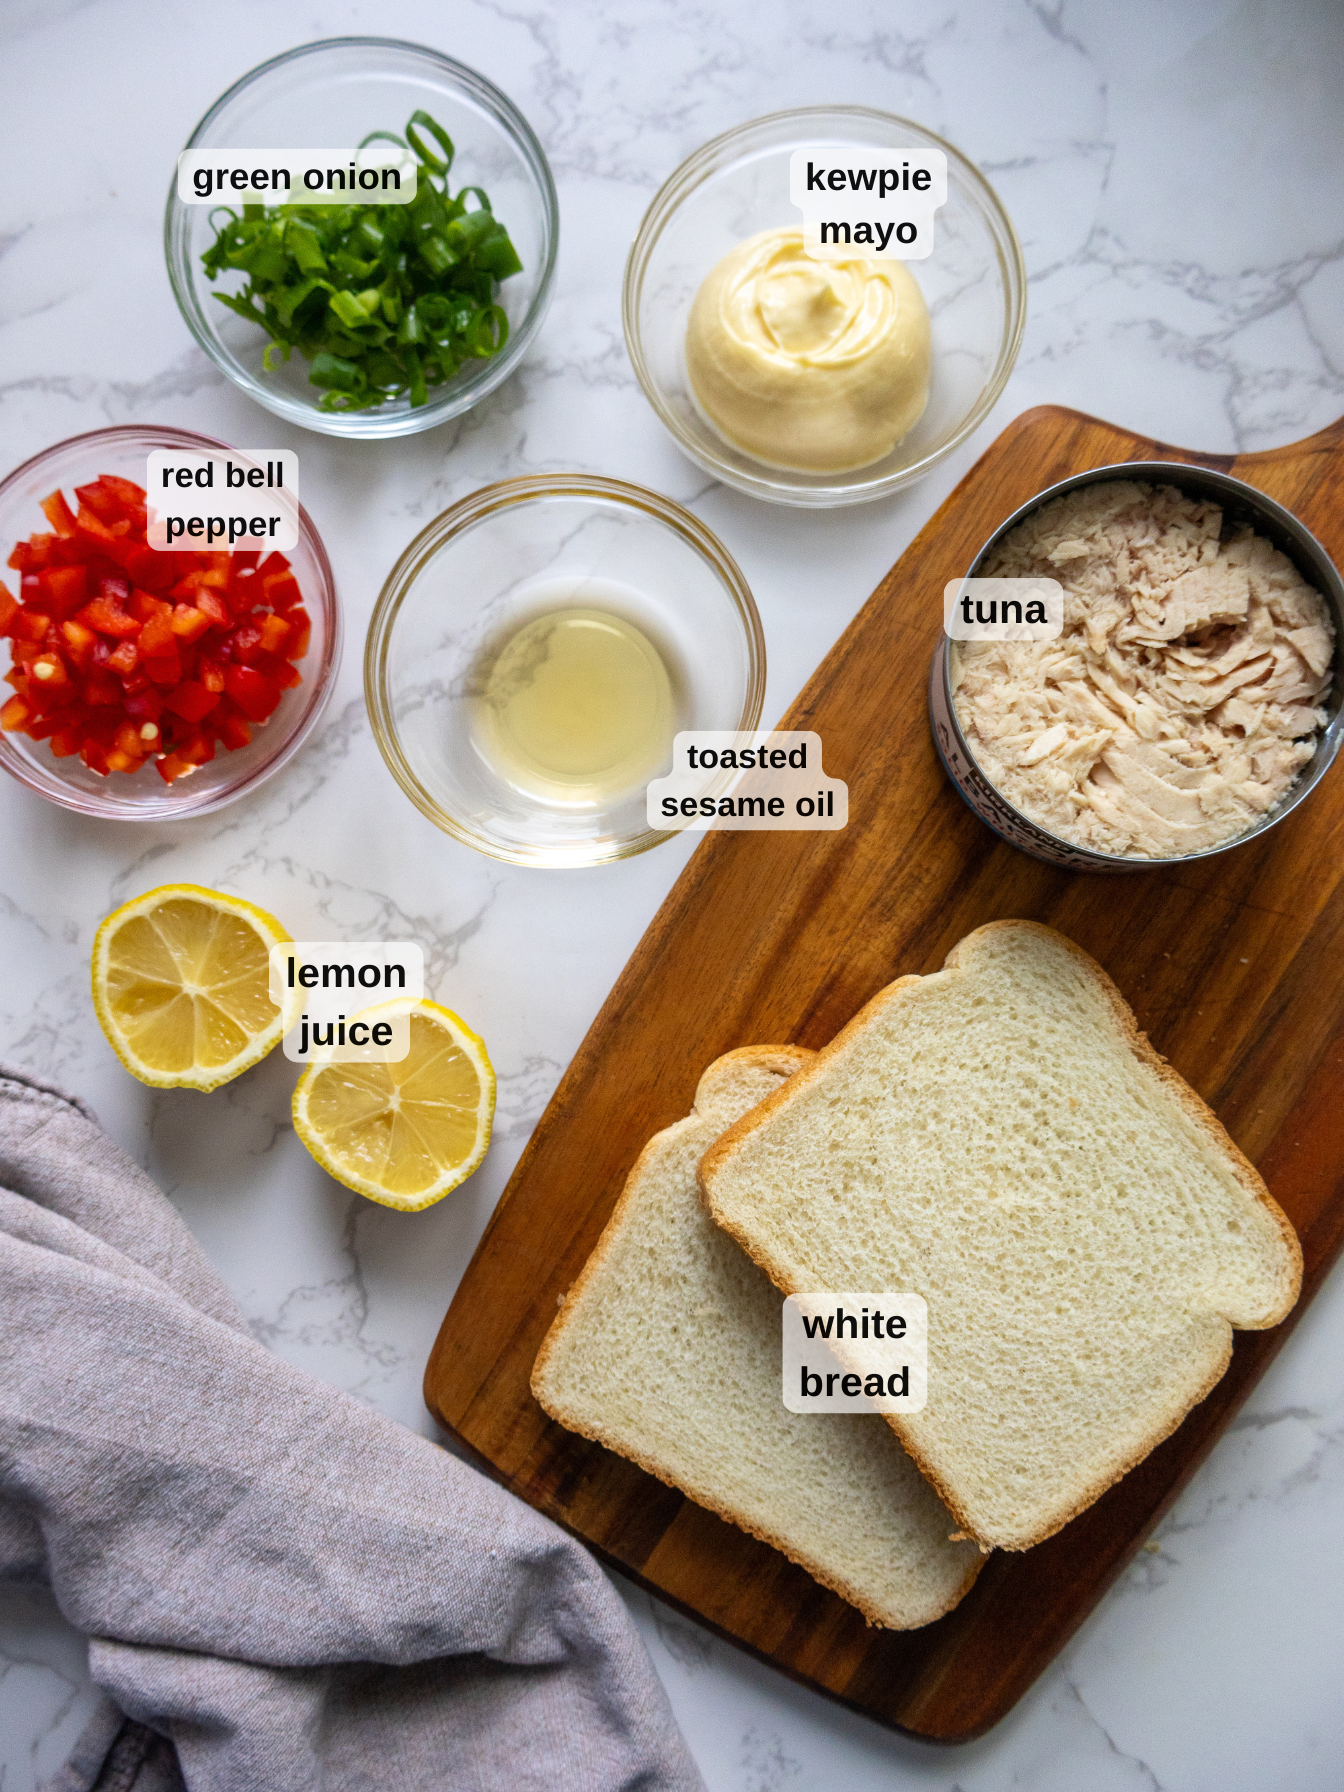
(667, 1350)
(1000, 1138)
(997, 1137)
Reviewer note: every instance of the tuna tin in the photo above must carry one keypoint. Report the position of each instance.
(1241, 504)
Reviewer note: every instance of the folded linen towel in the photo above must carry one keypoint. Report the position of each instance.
(294, 1591)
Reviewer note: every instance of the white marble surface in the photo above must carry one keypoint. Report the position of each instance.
(1174, 169)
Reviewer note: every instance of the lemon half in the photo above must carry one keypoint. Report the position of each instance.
(181, 986)
(402, 1133)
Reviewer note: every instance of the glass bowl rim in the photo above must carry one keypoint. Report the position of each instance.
(691, 174)
(489, 500)
(85, 803)
(361, 425)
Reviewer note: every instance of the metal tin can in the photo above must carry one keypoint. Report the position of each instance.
(1241, 503)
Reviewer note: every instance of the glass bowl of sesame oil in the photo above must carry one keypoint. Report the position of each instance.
(536, 649)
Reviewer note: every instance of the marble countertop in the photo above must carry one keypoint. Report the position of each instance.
(1174, 170)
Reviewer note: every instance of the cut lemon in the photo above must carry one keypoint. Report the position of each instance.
(407, 1132)
(181, 986)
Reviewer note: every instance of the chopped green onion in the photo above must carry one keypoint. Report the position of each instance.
(384, 301)
(439, 165)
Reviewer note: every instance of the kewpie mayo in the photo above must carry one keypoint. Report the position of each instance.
(817, 365)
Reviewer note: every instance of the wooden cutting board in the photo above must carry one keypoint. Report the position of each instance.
(1235, 968)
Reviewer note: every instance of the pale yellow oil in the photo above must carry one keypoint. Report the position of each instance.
(576, 707)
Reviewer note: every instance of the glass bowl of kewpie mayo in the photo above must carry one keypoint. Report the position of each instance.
(814, 382)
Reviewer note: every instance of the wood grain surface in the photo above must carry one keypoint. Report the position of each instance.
(1234, 967)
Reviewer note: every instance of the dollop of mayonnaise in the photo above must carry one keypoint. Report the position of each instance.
(819, 366)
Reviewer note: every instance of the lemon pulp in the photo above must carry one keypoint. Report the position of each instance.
(577, 706)
(407, 1132)
(181, 985)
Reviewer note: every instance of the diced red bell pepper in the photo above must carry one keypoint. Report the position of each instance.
(189, 623)
(150, 568)
(275, 631)
(278, 671)
(16, 714)
(130, 494)
(103, 503)
(211, 604)
(210, 672)
(91, 527)
(232, 728)
(254, 693)
(30, 625)
(67, 739)
(146, 705)
(191, 701)
(142, 605)
(300, 621)
(281, 590)
(58, 514)
(199, 747)
(49, 682)
(244, 644)
(128, 739)
(173, 766)
(108, 618)
(200, 578)
(63, 588)
(156, 636)
(101, 689)
(95, 753)
(165, 669)
(122, 654)
(80, 640)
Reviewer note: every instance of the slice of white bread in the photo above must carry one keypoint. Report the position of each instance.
(1000, 1138)
(668, 1351)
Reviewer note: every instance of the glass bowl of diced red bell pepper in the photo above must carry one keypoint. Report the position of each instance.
(146, 683)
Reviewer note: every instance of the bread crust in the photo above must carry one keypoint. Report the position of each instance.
(850, 1593)
(783, 1060)
(786, 1060)
(730, 1142)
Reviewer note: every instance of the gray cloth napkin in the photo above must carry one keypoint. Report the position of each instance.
(283, 1590)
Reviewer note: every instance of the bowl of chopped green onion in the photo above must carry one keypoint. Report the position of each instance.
(353, 316)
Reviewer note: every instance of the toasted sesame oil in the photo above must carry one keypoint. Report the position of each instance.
(575, 707)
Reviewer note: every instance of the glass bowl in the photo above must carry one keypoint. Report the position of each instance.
(974, 283)
(481, 572)
(331, 95)
(142, 795)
